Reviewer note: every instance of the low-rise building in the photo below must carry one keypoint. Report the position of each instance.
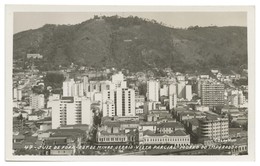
(169, 127)
(177, 138)
(105, 137)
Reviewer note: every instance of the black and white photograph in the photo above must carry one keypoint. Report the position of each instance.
(129, 82)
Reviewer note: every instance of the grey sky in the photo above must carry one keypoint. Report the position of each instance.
(32, 20)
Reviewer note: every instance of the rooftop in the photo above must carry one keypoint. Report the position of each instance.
(170, 124)
(66, 132)
(107, 133)
(175, 133)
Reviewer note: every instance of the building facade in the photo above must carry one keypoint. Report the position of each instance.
(212, 94)
(123, 101)
(188, 92)
(71, 111)
(153, 88)
(177, 138)
(68, 87)
(214, 128)
(172, 101)
(37, 101)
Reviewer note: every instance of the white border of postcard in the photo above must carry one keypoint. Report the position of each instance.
(10, 9)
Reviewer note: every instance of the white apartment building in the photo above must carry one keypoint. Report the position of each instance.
(164, 90)
(118, 77)
(99, 86)
(188, 92)
(118, 80)
(67, 87)
(123, 100)
(37, 101)
(85, 83)
(181, 90)
(153, 90)
(172, 89)
(109, 108)
(214, 128)
(78, 89)
(71, 111)
(172, 101)
(236, 98)
(97, 97)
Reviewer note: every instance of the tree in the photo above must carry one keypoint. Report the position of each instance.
(20, 118)
(54, 79)
(142, 89)
(38, 89)
(245, 126)
(234, 125)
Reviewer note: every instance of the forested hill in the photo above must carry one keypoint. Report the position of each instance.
(136, 44)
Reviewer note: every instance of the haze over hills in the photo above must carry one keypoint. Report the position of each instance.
(135, 44)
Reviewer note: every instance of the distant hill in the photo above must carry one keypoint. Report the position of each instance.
(135, 44)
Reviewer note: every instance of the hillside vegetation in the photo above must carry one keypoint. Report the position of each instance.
(135, 44)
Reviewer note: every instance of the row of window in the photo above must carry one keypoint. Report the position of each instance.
(165, 139)
(112, 139)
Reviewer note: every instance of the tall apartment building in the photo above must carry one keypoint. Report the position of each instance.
(164, 90)
(109, 108)
(118, 80)
(236, 98)
(71, 111)
(67, 87)
(85, 83)
(78, 89)
(172, 89)
(72, 88)
(153, 88)
(198, 86)
(37, 101)
(212, 94)
(214, 128)
(99, 86)
(181, 90)
(172, 101)
(188, 92)
(123, 100)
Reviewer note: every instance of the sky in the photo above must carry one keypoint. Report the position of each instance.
(33, 20)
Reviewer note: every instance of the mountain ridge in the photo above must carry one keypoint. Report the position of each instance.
(135, 44)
